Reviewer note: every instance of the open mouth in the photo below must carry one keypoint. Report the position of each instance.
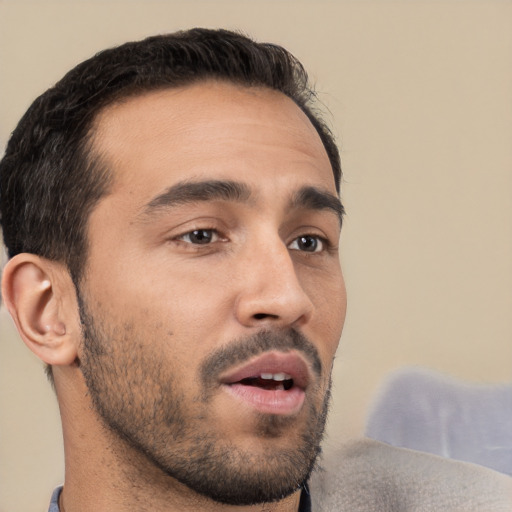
(272, 383)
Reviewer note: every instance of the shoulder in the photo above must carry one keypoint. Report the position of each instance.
(369, 476)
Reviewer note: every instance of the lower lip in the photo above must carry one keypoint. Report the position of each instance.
(280, 402)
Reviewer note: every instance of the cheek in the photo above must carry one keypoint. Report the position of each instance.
(329, 298)
(175, 307)
(184, 312)
(326, 290)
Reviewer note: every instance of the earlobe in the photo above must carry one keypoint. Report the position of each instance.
(39, 295)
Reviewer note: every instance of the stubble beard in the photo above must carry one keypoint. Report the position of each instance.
(138, 400)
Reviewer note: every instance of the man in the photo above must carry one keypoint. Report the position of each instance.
(171, 214)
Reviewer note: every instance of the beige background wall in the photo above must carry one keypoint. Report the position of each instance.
(421, 97)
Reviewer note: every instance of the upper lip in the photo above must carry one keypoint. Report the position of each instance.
(290, 363)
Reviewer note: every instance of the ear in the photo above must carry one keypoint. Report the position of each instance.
(41, 299)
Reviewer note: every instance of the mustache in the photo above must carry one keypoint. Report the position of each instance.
(248, 347)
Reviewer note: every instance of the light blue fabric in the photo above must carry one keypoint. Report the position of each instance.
(54, 503)
(424, 410)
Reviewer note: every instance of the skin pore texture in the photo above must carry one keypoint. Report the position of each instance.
(212, 260)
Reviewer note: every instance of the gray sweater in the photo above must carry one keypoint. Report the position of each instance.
(369, 476)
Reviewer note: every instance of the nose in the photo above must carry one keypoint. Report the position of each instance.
(271, 293)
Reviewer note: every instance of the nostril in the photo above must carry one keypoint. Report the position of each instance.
(262, 316)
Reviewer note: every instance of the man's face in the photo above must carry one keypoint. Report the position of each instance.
(213, 299)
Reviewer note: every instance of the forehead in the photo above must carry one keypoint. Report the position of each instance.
(210, 129)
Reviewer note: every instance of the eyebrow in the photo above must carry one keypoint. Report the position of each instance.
(313, 198)
(308, 197)
(197, 191)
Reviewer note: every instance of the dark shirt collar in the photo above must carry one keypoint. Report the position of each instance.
(305, 500)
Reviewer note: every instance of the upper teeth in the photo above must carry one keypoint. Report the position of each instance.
(275, 376)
